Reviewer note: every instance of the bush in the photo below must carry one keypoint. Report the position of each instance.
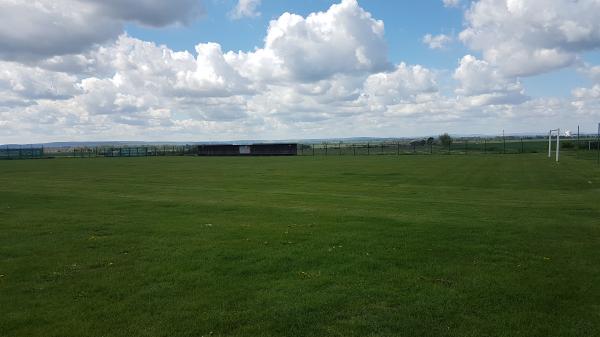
(567, 145)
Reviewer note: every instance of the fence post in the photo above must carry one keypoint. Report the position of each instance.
(598, 144)
(354, 149)
(522, 147)
(381, 148)
(466, 146)
(504, 143)
(398, 148)
(340, 148)
(368, 149)
(325, 149)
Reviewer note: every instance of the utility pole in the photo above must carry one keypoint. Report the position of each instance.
(557, 144)
(577, 137)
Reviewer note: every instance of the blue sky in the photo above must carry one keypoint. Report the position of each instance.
(156, 70)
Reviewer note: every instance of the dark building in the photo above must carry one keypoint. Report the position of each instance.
(248, 150)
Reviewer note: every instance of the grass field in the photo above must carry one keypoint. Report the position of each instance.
(302, 246)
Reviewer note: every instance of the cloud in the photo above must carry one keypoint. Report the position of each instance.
(451, 3)
(436, 42)
(587, 93)
(35, 30)
(590, 71)
(33, 83)
(587, 100)
(485, 84)
(326, 74)
(343, 39)
(528, 37)
(402, 85)
(154, 13)
(245, 8)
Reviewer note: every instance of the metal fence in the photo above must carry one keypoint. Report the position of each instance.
(465, 146)
(459, 146)
(21, 152)
(122, 151)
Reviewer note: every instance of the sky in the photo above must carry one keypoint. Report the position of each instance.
(209, 70)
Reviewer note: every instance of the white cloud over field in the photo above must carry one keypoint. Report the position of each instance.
(74, 74)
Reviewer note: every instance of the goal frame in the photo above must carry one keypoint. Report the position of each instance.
(550, 134)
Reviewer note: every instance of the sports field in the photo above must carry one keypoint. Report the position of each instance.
(442, 245)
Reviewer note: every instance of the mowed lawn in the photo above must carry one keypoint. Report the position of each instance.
(304, 246)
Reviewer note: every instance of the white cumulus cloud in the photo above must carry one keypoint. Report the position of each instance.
(245, 8)
(343, 39)
(485, 84)
(436, 41)
(528, 37)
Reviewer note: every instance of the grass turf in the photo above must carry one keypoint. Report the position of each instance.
(305, 246)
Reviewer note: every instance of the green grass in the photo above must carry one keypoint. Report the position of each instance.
(304, 246)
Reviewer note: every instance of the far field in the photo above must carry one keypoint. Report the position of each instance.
(416, 245)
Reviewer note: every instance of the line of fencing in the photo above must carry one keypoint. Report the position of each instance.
(142, 151)
(460, 146)
(464, 146)
(29, 152)
(21, 152)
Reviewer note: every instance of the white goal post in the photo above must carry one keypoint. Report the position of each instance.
(557, 131)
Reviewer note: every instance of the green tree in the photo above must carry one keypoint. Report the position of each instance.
(445, 139)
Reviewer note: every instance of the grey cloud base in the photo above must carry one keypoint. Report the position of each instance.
(36, 30)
